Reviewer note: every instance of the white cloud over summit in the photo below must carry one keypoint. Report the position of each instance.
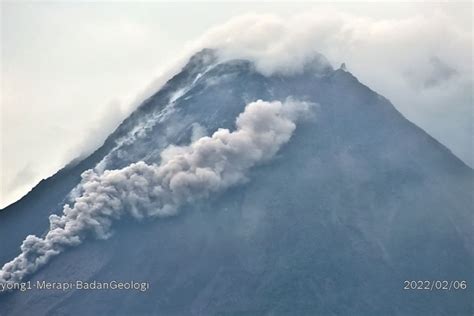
(422, 63)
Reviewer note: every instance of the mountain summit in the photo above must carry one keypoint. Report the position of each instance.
(338, 209)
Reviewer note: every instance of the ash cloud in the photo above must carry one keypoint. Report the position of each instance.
(209, 165)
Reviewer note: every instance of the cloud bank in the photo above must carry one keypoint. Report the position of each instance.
(422, 63)
(186, 173)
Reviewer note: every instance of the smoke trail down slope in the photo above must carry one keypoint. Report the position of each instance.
(185, 174)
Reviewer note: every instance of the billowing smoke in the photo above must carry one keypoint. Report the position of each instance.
(185, 174)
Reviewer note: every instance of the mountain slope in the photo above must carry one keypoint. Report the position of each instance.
(358, 201)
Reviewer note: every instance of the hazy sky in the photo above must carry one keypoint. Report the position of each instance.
(70, 71)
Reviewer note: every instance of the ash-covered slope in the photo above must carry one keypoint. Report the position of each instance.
(358, 201)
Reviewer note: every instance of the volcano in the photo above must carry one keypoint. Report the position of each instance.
(355, 203)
